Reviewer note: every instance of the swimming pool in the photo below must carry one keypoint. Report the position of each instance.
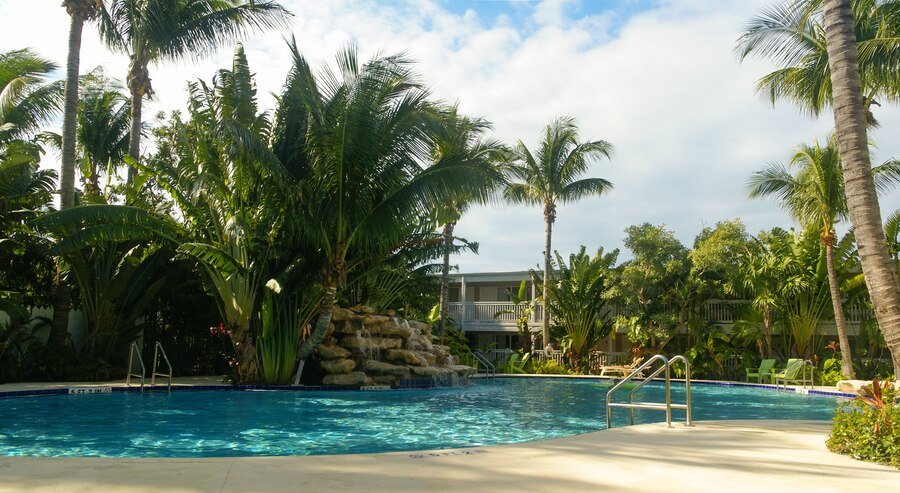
(231, 423)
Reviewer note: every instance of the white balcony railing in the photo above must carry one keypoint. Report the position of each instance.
(715, 311)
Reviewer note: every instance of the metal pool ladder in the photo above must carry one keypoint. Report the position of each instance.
(156, 373)
(135, 350)
(488, 367)
(656, 406)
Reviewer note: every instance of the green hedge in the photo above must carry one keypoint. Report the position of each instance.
(867, 433)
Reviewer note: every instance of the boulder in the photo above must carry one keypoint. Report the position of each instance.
(430, 358)
(462, 370)
(391, 328)
(405, 356)
(365, 344)
(354, 378)
(430, 371)
(385, 380)
(374, 320)
(362, 309)
(382, 368)
(338, 365)
(853, 386)
(330, 351)
(340, 314)
(346, 327)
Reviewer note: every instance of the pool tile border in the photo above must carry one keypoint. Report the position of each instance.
(403, 385)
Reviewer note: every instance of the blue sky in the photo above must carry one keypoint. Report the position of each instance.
(658, 79)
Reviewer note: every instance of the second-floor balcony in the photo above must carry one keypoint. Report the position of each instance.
(493, 316)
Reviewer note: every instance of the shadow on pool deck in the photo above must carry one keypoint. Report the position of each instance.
(738, 456)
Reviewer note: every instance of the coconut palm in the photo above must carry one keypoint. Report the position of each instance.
(862, 199)
(80, 11)
(356, 137)
(152, 31)
(792, 35)
(552, 176)
(28, 100)
(103, 126)
(815, 197)
(459, 135)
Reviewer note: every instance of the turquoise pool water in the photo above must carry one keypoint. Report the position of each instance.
(231, 423)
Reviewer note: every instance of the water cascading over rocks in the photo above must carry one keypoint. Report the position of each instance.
(364, 348)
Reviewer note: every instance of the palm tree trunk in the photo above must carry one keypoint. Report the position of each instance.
(549, 217)
(139, 86)
(134, 137)
(245, 352)
(862, 200)
(59, 327)
(445, 278)
(318, 334)
(837, 303)
(767, 327)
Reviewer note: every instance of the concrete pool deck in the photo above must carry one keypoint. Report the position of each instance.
(739, 456)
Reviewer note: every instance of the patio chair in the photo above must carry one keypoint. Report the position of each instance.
(763, 372)
(789, 374)
(623, 370)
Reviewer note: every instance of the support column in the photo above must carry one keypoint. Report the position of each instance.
(462, 298)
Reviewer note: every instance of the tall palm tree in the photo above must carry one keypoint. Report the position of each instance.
(862, 199)
(27, 99)
(459, 135)
(791, 34)
(356, 138)
(814, 197)
(103, 126)
(552, 176)
(151, 31)
(79, 11)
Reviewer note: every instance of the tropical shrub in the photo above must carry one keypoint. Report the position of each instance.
(576, 299)
(868, 427)
(548, 367)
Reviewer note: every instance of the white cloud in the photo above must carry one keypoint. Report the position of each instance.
(662, 85)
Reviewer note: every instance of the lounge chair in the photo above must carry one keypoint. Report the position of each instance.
(623, 370)
(764, 371)
(790, 372)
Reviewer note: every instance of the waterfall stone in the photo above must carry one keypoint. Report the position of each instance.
(363, 347)
(353, 378)
(405, 356)
(382, 368)
(331, 351)
(338, 365)
(363, 344)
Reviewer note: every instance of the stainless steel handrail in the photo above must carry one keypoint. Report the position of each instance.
(156, 352)
(135, 350)
(667, 406)
(489, 369)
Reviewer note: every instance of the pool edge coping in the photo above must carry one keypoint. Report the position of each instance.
(118, 387)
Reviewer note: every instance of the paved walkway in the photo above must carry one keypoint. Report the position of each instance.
(738, 456)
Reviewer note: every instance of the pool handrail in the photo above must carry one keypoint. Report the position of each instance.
(489, 369)
(667, 406)
(135, 350)
(156, 373)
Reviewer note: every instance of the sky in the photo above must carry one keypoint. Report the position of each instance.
(657, 78)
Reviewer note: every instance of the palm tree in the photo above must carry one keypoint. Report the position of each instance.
(356, 138)
(862, 199)
(459, 136)
(79, 11)
(103, 126)
(151, 31)
(552, 176)
(27, 99)
(792, 35)
(27, 102)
